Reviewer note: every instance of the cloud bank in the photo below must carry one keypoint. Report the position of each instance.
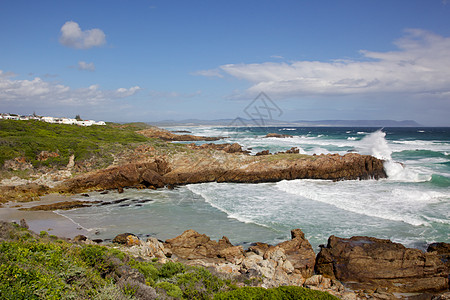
(421, 65)
(38, 91)
(72, 36)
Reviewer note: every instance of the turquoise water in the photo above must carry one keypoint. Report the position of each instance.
(411, 206)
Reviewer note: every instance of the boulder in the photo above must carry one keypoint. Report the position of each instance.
(80, 238)
(264, 152)
(300, 253)
(368, 263)
(127, 239)
(234, 255)
(193, 245)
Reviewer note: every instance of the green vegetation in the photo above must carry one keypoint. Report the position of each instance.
(96, 144)
(41, 267)
(279, 293)
(28, 138)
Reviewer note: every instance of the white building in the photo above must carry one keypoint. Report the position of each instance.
(48, 119)
(69, 121)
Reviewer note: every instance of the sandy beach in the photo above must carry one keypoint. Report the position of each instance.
(38, 221)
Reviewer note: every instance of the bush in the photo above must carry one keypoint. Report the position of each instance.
(282, 292)
(171, 289)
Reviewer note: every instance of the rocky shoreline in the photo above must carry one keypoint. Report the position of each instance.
(355, 268)
(219, 166)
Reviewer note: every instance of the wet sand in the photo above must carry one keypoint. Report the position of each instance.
(38, 221)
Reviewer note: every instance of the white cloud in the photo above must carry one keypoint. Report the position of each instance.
(209, 73)
(84, 66)
(38, 91)
(72, 36)
(420, 65)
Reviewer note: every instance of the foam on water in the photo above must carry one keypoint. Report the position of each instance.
(369, 198)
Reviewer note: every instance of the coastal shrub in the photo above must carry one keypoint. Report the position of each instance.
(95, 256)
(282, 292)
(199, 283)
(170, 269)
(149, 271)
(171, 289)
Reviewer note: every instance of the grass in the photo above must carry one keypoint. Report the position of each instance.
(97, 144)
(43, 267)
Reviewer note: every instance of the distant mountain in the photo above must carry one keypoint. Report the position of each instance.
(301, 123)
(362, 123)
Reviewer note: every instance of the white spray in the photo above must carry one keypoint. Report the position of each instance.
(376, 145)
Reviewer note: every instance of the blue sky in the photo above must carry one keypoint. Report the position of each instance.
(149, 60)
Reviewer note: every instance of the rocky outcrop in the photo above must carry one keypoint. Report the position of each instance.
(193, 245)
(370, 263)
(290, 262)
(45, 155)
(278, 135)
(148, 174)
(205, 166)
(23, 192)
(228, 148)
(166, 135)
(61, 205)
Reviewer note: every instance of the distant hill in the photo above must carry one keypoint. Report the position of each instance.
(246, 122)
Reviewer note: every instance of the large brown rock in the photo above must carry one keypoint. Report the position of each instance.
(368, 263)
(148, 173)
(205, 165)
(193, 245)
(300, 253)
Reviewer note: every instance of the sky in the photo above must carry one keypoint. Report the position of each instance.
(154, 60)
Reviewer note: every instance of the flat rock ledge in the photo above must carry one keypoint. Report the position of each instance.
(355, 268)
(225, 167)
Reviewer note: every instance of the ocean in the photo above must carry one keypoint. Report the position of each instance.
(411, 206)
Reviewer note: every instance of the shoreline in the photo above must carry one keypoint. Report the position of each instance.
(49, 221)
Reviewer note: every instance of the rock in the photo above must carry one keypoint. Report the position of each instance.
(264, 152)
(193, 245)
(259, 248)
(166, 135)
(23, 224)
(443, 296)
(252, 261)
(65, 205)
(368, 263)
(300, 253)
(80, 238)
(157, 249)
(278, 135)
(45, 155)
(234, 255)
(118, 177)
(127, 239)
(209, 166)
(442, 250)
(22, 192)
(293, 150)
(18, 163)
(228, 148)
